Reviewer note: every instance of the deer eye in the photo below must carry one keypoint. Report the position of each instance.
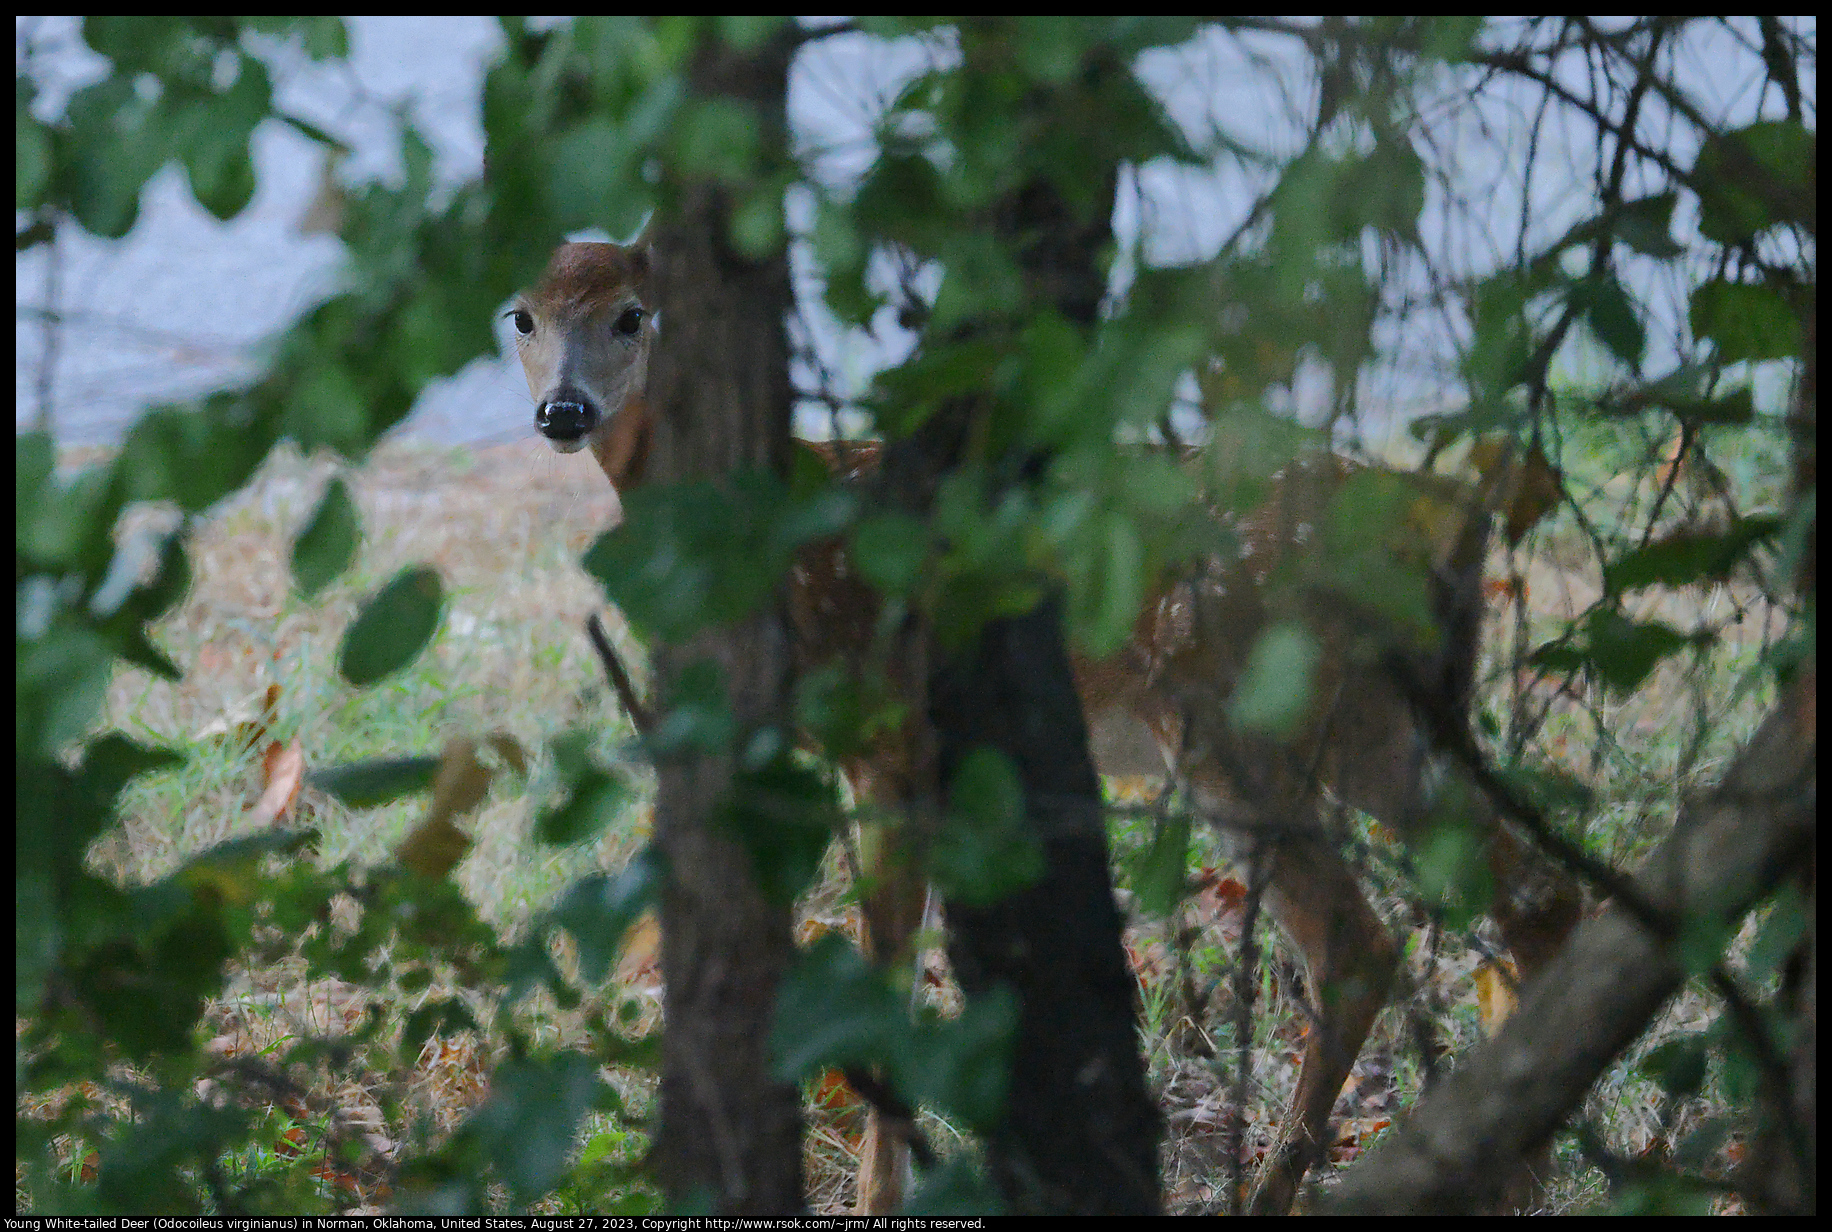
(629, 322)
(524, 322)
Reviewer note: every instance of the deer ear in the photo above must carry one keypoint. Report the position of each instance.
(642, 247)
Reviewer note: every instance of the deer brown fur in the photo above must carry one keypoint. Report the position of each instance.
(583, 332)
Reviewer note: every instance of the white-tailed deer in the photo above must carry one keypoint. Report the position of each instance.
(1161, 703)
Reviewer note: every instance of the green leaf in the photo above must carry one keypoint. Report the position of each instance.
(527, 1125)
(169, 585)
(595, 169)
(1274, 690)
(784, 815)
(1395, 186)
(442, 1016)
(147, 1168)
(71, 529)
(194, 455)
(365, 784)
(699, 713)
(135, 647)
(326, 38)
(840, 254)
(1645, 225)
(979, 279)
(1449, 37)
(955, 1189)
(393, 627)
(1687, 557)
(327, 407)
(1747, 321)
(1049, 49)
(908, 394)
(62, 680)
(32, 155)
(599, 909)
(689, 555)
(34, 464)
(1324, 201)
(1621, 652)
(889, 551)
(1678, 1065)
(221, 173)
(901, 198)
(1611, 315)
(1159, 873)
(328, 543)
(962, 1068)
(717, 138)
(662, 565)
(113, 761)
(758, 229)
(1551, 790)
(110, 156)
(592, 796)
(1683, 391)
(833, 1009)
(1451, 868)
(748, 33)
(593, 802)
(1120, 590)
(986, 849)
(1754, 178)
(1502, 343)
(1778, 941)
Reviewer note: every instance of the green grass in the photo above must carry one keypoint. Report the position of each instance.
(506, 530)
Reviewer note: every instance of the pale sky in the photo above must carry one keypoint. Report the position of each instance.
(181, 304)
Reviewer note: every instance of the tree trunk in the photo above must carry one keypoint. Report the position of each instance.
(1512, 1092)
(1080, 1134)
(730, 1134)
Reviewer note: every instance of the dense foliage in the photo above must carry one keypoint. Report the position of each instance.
(596, 124)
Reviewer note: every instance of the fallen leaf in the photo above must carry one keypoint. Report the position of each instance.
(833, 1092)
(436, 845)
(282, 773)
(642, 950)
(1496, 981)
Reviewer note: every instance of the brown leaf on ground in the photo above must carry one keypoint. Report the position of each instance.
(436, 845)
(640, 966)
(1496, 982)
(282, 773)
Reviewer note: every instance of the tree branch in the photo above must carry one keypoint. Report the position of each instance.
(1511, 1093)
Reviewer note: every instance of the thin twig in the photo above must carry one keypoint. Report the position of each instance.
(632, 701)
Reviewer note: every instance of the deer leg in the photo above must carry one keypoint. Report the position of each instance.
(1537, 905)
(892, 900)
(1349, 961)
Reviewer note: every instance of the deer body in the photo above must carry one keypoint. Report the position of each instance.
(1160, 703)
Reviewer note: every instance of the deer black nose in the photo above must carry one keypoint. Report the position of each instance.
(566, 418)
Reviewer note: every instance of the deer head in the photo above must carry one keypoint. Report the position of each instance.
(583, 334)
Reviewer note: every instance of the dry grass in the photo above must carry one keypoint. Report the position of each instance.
(505, 527)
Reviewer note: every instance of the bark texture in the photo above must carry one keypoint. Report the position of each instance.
(1080, 1134)
(1081, 1131)
(1509, 1095)
(730, 1135)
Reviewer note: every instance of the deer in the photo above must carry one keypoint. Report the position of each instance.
(1159, 706)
